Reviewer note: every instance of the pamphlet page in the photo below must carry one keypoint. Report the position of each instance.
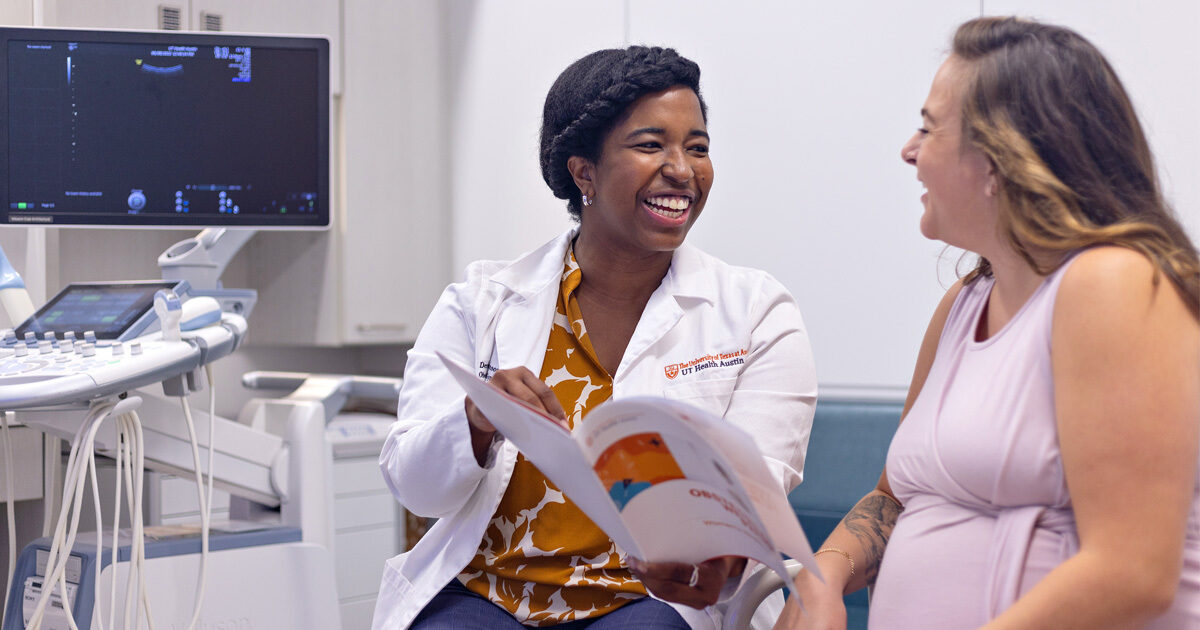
(678, 495)
(551, 448)
(712, 447)
(666, 481)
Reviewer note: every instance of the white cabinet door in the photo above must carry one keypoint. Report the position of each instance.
(16, 13)
(396, 249)
(139, 14)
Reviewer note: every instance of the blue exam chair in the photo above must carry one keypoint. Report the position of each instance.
(846, 453)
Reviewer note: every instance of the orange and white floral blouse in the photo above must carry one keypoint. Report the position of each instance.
(541, 558)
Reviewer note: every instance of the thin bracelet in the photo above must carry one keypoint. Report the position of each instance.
(836, 550)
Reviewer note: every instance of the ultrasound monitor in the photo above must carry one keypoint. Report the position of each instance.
(162, 129)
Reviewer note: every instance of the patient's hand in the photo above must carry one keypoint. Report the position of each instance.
(824, 608)
(519, 383)
(669, 581)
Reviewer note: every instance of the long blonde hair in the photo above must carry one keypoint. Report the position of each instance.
(1074, 168)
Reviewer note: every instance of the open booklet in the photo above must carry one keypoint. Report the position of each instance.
(666, 481)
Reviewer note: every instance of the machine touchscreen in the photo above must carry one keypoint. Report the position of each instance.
(113, 310)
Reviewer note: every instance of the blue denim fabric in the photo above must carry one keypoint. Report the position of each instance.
(456, 608)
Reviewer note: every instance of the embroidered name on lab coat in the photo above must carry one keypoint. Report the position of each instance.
(486, 370)
(708, 361)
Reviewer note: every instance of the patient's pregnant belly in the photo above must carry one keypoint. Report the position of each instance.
(935, 572)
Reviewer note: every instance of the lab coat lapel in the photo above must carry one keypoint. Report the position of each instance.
(685, 283)
(522, 325)
(522, 331)
(661, 314)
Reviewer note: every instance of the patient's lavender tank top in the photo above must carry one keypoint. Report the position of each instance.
(976, 464)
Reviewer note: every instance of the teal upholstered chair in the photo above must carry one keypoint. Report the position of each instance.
(845, 456)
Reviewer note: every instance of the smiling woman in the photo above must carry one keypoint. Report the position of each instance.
(651, 180)
(952, 173)
(603, 311)
(1050, 433)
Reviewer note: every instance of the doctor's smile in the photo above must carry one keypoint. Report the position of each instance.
(668, 207)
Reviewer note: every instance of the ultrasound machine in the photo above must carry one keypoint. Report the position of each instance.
(151, 129)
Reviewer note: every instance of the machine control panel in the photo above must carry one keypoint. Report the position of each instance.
(98, 312)
(53, 360)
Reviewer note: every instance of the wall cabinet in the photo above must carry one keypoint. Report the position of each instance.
(396, 257)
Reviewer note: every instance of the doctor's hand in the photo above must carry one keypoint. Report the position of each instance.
(695, 585)
(521, 384)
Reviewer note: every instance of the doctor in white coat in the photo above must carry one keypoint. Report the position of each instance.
(625, 142)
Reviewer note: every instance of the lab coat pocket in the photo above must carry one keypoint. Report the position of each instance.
(712, 394)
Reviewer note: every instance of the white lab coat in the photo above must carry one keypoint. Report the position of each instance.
(500, 318)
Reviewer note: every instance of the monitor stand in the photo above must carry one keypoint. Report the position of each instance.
(202, 259)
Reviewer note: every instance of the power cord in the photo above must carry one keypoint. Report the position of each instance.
(122, 455)
(205, 499)
(53, 489)
(99, 520)
(12, 515)
(134, 479)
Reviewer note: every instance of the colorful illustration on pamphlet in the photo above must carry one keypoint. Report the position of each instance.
(633, 464)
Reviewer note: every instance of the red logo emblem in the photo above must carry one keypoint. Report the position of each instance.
(672, 370)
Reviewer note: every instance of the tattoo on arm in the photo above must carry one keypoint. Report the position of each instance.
(871, 522)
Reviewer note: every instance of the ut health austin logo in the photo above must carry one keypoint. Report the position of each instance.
(701, 363)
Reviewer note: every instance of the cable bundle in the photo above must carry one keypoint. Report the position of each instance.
(82, 460)
(130, 466)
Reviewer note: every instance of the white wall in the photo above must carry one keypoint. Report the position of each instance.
(809, 104)
(1155, 50)
(16, 12)
(503, 56)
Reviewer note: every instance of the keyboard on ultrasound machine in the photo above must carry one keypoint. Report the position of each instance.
(68, 367)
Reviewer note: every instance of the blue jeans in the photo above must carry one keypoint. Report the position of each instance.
(457, 608)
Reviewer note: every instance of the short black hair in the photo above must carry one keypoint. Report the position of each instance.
(588, 97)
